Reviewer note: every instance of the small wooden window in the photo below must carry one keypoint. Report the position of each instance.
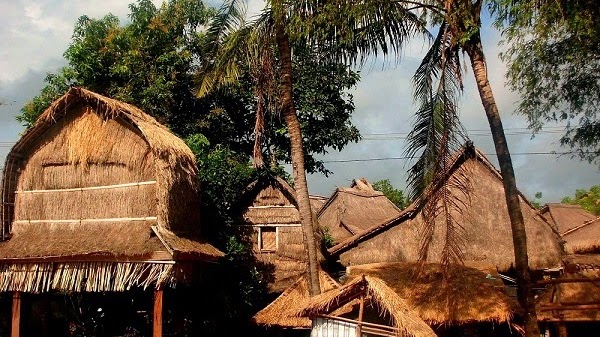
(267, 239)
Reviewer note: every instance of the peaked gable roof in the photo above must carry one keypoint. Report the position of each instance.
(544, 245)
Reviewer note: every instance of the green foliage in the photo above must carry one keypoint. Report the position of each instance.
(536, 201)
(327, 239)
(587, 199)
(554, 63)
(152, 62)
(396, 196)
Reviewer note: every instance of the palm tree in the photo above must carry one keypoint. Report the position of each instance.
(438, 82)
(233, 42)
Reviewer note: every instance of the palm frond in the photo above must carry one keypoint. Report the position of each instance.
(436, 136)
(355, 30)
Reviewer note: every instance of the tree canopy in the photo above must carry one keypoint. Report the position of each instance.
(554, 63)
(152, 62)
(395, 195)
(587, 199)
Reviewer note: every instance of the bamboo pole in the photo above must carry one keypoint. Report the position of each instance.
(157, 319)
(91, 188)
(16, 315)
(361, 311)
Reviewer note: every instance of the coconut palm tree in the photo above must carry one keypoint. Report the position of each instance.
(437, 82)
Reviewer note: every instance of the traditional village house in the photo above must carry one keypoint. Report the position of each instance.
(486, 227)
(570, 305)
(97, 196)
(270, 210)
(352, 210)
(393, 299)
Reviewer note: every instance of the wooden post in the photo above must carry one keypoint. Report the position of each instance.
(158, 306)
(361, 311)
(562, 330)
(16, 315)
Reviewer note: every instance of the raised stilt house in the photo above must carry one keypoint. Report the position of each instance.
(98, 197)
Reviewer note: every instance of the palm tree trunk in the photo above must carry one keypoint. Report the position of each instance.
(525, 292)
(297, 153)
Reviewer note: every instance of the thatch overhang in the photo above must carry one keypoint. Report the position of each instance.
(269, 200)
(487, 231)
(564, 217)
(583, 239)
(317, 202)
(352, 210)
(98, 196)
(379, 295)
(282, 311)
(465, 295)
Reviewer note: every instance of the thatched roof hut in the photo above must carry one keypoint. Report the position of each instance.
(564, 217)
(98, 196)
(269, 207)
(372, 293)
(487, 231)
(281, 313)
(583, 239)
(352, 210)
(317, 202)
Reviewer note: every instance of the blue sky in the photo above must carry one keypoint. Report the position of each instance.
(36, 32)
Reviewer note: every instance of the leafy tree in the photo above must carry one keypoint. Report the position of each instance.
(152, 63)
(396, 196)
(554, 63)
(536, 201)
(587, 199)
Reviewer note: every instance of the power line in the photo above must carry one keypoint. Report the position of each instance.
(408, 157)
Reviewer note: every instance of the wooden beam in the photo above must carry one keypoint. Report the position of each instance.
(361, 311)
(16, 315)
(570, 280)
(562, 330)
(157, 316)
(569, 307)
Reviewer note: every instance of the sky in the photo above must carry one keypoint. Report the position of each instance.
(35, 33)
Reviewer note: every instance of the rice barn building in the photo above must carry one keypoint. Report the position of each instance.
(98, 198)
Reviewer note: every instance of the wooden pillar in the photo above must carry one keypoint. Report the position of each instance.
(361, 311)
(158, 306)
(562, 329)
(16, 315)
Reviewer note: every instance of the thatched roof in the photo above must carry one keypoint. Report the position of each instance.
(487, 231)
(317, 202)
(269, 200)
(565, 217)
(281, 312)
(381, 295)
(584, 238)
(352, 210)
(87, 183)
(468, 294)
(572, 301)
(579, 262)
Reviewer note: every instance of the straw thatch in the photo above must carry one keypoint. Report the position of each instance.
(282, 311)
(572, 301)
(268, 205)
(583, 239)
(84, 139)
(352, 210)
(579, 262)
(564, 217)
(84, 276)
(317, 202)
(466, 295)
(486, 229)
(85, 186)
(379, 295)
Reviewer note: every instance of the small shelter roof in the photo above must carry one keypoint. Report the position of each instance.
(317, 202)
(269, 200)
(403, 317)
(565, 217)
(282, 311)
(485, 220)
(465, 295)
(353, 209)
